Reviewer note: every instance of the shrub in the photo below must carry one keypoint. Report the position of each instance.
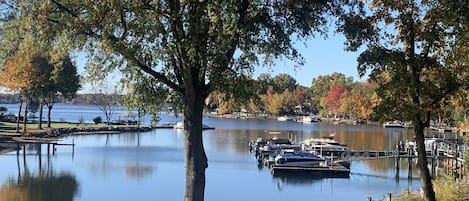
(3, 109)
(97, 120)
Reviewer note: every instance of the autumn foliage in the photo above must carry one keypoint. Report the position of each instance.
(18, 72)
(332, 98)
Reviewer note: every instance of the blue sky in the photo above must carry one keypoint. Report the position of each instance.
(322, 57)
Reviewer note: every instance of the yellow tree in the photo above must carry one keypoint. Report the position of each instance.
(346, 102)
(287, 99)
(360, 101)
(274, 105)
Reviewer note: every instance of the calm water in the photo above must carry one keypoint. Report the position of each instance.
(150, 166)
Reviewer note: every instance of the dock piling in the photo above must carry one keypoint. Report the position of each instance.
(398, 165)
(409, 175)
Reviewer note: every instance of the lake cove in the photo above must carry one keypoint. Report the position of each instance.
(150, 165)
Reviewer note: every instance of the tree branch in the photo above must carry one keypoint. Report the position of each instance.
(66, 9)
(234, 41)
(130, 56)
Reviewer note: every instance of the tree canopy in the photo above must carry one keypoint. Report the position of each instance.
(413, 53)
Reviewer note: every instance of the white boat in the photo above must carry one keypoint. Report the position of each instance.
(277, 147)
(283, 118)
(393, 124)
(298, 158)
(325, 144)
(430, 144)
(308, 119)
(276, 144)
(180, 125)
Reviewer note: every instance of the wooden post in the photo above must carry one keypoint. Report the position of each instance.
(48, 149)
(389, 197)
(409, 175)
(432, 160)
(18, 161)
(18, 149)
(53, 149)
(369, 199)
(398, 165)
(24, 152)
(39, 154)
(433, 174)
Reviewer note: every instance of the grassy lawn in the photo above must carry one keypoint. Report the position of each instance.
(9, 128)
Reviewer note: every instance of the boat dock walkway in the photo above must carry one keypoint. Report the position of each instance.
(440, 150)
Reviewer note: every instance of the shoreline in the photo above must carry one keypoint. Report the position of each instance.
(12, 141)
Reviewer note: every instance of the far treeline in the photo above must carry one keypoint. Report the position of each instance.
(79, 99)
(333, 95)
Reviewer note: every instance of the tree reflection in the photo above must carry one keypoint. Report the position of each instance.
(40, 188)
(138, 171)
(43, 186)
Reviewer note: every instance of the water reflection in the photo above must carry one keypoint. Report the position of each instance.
(44, 187)
(42, 184)
(361, 138)
(294, 180)
(150, 166)
(138, 171)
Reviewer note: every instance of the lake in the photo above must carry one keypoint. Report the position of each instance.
(150, 166)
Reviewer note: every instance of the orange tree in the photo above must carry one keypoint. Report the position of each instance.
(332, 99)
(20, 73)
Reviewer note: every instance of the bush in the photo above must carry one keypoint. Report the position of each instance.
(97, 120)
(3, 109)
(447, 188)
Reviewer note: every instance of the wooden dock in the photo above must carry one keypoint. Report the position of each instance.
(20, 143)
(446, 153)
(333, 170)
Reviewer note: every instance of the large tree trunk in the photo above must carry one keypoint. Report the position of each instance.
(41, 104)
(49, 107)
(425, 177)
(415, 70)
(18, 117)
(25, 118)
(195, 158)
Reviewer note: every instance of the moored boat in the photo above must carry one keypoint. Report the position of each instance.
(297, 158)
(325, 146)
(180, 125)
(284, 118)
(308, 119)
(393, 124)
